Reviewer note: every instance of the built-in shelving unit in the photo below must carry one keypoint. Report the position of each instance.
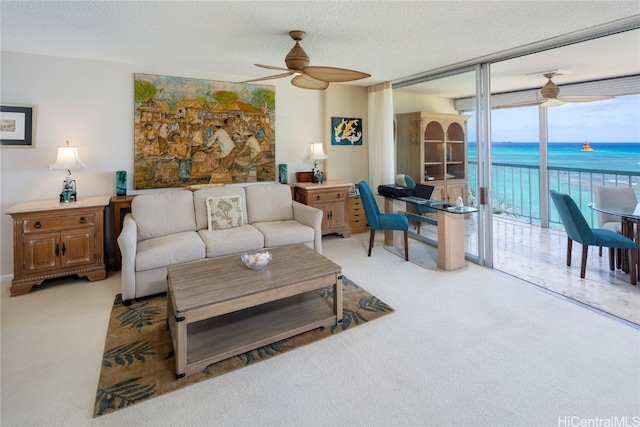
(432, 149)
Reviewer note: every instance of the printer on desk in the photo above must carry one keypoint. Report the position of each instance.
(395, 191)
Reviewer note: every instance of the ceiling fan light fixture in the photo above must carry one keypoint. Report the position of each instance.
(550, 90)
(297, 58)
(552, 103)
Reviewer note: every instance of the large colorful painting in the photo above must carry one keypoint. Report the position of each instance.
(190, 132)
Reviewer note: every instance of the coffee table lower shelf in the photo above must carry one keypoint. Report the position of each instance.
(218, 338)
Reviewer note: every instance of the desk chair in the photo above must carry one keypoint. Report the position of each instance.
(613, 196)
(382, 221)
(578, 229)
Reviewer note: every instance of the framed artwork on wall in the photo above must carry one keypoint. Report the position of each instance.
(17, 126)
(195, 132)
(346, 131)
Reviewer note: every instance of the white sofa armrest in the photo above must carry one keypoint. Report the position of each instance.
(128, 242)
(311, 217)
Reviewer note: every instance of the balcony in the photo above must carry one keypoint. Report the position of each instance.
(524, 249)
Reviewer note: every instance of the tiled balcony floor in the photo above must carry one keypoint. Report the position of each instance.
(538, 255)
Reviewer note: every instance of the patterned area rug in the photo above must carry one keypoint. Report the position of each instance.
(139, 364)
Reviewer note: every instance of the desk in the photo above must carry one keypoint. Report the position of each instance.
(450, 222)
(630, 219)
(119, 203)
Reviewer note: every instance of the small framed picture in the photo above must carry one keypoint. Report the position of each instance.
(346, 131)
(17, 126)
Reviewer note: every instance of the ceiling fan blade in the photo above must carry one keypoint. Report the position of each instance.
(585, 98)
(277, 76)
(520, 103)
(306, 82)
(271, 67)
(334, 74)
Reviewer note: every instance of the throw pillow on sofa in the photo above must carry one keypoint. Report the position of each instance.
(224, 212)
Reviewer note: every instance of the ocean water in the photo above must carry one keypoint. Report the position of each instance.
(614, 156)
(515, 190)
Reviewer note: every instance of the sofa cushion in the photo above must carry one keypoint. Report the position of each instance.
(231, 240)
(200, 202)
(160, 214)
(269, 202)
(280, 233)
(224, 212)
(168, 250)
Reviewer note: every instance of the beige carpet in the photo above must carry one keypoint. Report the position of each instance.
(139, 364)
(473, 348)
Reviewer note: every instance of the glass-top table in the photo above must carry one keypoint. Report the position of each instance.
(449, 219)
(629, 214)
(437, 205)
(624, 211)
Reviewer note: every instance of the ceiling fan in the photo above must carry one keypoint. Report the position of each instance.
(550, 95)
(306, 76)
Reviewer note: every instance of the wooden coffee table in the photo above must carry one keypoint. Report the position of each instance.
(218, 308)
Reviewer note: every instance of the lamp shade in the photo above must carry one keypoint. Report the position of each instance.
(317, 152)
(67, 158)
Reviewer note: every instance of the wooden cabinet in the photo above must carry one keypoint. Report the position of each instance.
(432, 149)
(52, 239)
(332, 197)
(357, 218)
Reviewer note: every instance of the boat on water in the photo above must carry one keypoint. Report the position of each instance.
(587, 147)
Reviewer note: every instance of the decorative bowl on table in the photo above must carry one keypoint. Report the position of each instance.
(256, 260)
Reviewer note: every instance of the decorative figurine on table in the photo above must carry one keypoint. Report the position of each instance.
(69, 189)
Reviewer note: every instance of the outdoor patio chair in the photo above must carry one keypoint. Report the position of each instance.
(613, 196)
(578, 229)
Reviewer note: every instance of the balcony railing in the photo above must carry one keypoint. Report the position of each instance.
(516, 189)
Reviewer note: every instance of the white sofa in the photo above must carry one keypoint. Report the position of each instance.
(172, 227)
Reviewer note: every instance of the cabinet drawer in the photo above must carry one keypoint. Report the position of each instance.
(66, 221)
(328, 196)
(356, 208)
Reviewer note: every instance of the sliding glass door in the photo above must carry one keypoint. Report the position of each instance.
(445, 145)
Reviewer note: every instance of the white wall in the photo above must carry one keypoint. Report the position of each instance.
(90, 103)
(346, 162)
(404, 102)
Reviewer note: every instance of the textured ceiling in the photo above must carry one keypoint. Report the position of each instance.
(388, 39)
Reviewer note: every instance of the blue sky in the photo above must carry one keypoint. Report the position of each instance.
(611, 120)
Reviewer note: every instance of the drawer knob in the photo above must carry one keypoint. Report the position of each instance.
(82, 220)
(317, 197)
(37, 224)
(339, 195)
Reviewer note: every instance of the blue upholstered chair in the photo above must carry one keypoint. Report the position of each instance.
(409, 182)
(578, 229)
(382, 221)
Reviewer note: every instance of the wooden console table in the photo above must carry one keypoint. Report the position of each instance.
(121, 204)
(53, 239)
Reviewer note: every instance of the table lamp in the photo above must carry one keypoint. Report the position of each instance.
(68, 159)
(316, 153)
